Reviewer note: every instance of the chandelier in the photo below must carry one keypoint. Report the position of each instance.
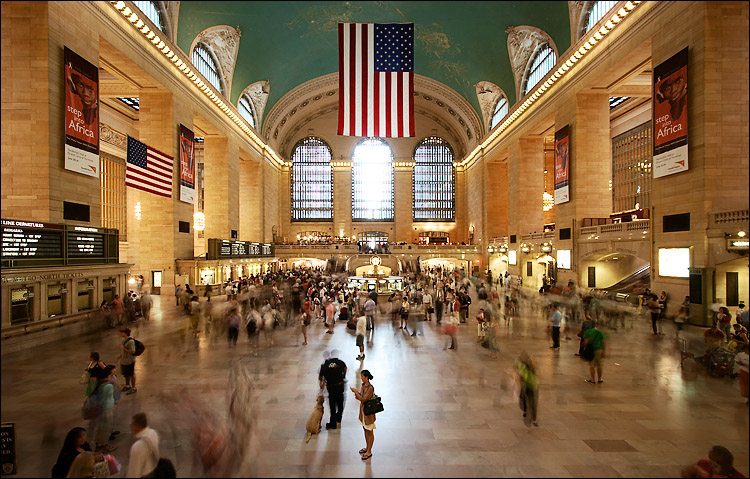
(548, 201)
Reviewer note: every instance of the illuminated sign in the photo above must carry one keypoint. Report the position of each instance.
(563, 259)
(512, 257)
(738, 244)
(674, 262)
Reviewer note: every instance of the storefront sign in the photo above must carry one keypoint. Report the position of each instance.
(40, 277)
(562, 165)
(670, 109)
(8, 438)
(81, 115)
(738, 244)
(187, 165)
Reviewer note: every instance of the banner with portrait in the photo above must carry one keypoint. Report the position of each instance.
(81, 115)
(562, 165)
(187, 165)
(670, 116)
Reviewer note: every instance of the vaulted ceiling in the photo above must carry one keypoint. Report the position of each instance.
(456, 43)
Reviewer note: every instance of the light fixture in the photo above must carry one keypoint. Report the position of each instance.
(199, 221)
(741, 234)
(137, 211)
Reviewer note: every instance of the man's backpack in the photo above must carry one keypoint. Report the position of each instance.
(139, 347)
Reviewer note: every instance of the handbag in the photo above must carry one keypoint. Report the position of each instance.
(85, 376)
(372, 406)
(113, 463)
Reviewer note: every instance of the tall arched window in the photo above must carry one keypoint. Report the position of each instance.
(152, 12)
(542, 63)
(434, 181)
(501, 109)
(597, 12)
(205, 63)
(312, 180)
(245, 107)
(372, 181)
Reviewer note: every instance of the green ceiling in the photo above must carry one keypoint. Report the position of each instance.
(289, 43)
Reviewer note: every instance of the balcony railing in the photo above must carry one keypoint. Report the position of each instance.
(737, 216)
(619, 228)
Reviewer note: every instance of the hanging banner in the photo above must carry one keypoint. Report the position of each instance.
(81, 115)
(670, 116)
(562, 165)
(187, 165)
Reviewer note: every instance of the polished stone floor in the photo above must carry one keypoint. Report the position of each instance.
(447, 413)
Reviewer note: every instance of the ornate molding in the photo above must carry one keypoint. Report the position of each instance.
(488, 95)
(112, 137)
(224, 42)
(258, 94)
(523, 42)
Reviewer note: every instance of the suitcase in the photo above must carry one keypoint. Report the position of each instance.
(721, 363)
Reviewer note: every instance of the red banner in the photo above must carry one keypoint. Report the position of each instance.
(187, 165)
(562, 165)
(81, 115)
(671, 116)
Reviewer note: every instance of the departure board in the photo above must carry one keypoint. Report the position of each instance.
(221, 249)
(85, 244)
(28, 243)
(25, 239)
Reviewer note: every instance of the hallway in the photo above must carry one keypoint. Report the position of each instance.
(447, 413)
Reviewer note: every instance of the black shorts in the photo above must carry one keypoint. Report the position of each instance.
(360, 340)
(128, 370)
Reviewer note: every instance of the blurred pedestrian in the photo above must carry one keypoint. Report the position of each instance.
(147, 302)
(144, 453)
(720, 463)
(233, 325)
(83, 466)
(333, 372)
(74, 444)
(594, 338)
(555, 317)
(742, 361)
(529, 387)
(361, 331)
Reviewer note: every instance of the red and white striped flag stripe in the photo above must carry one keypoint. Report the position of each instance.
(148, 169)
(371, 102)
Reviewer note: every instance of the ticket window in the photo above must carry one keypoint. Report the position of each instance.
(56, 299)
(109, 289)
(207, 276)
(21, 304)
(85, 295)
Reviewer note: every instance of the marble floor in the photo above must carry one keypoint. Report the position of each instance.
(447, 413)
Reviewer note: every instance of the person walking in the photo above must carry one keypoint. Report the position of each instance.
(554, 321)
(144, 453)
(653, 307)
(594, 338)
(233, 325)
(333, 372)
(742, 361)
(147, 302)
(103, 424)
(439, 305)
(127, 361)
(529, 386)
(303, 320)
(370, 307)
(366, 392)
(404, 312)
(427, 300)
(587, 324)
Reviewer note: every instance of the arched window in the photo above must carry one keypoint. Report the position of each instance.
(501, 109)
(372, 181)
(434, 181)
(597, 12)
(245, 107)
(205, 63)
(542, 63)
(152, 12)
(312, 181)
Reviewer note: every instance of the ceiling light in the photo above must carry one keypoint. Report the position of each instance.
(127, 11)
(133, 18)
(119, 5)
(139, 23)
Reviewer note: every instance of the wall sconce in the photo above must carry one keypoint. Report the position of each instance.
(137, 211)
(504, 248)
(199, 221)
(525, 248)
(546, 248)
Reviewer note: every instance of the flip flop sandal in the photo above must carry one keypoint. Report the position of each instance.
(363, 450)
(590, 381)
(364, 458)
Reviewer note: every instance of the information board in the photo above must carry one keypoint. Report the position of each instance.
(225, 249)
(8, 442)
(28, 243)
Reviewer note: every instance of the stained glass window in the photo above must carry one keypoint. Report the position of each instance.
(434, 181)
(372, 181)
(312, 181)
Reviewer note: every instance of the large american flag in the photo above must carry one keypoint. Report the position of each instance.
(376, 79)
(149, 169)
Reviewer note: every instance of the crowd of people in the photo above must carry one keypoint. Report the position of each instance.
(293, 300)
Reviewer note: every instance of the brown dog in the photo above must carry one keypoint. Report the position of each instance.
(316, 416)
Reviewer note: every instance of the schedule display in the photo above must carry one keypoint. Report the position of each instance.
(225, 249)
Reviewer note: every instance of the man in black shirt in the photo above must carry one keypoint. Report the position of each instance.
(333, 372)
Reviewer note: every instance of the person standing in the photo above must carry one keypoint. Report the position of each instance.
(304, 320)
(554, 321)
(177, 292)
(655, 310)
(428, 306)
(595, 338)
(144, 453)
(117, 308)
(330, 312)
(366, 392)
(529, 385)
(439, 296)
(369, 308)
(233, 325)
(361, 331)
(103, 425)
(96, 370)
(724, 320)
(74, 444)
(127, 361)
(587, 324)
(742, 361)
(333, 372)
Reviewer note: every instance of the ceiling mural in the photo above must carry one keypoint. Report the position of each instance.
(456, 43)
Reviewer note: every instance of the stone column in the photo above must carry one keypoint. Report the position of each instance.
(221, 173)
(249, 198)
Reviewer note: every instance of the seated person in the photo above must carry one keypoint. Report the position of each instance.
(720, 463)
(714, 338)
(738, 338)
